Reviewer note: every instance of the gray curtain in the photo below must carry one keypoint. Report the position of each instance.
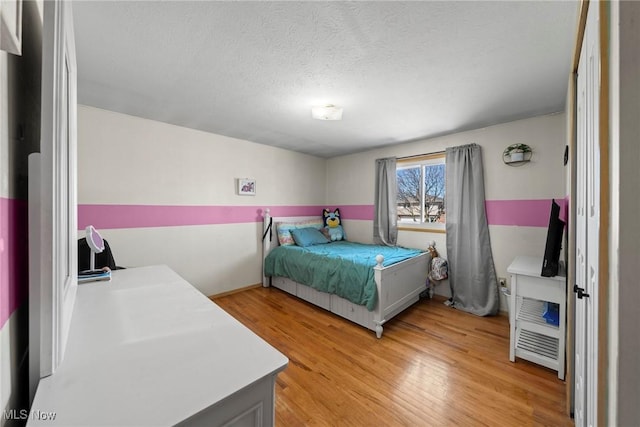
(385, 221)
(472, 275)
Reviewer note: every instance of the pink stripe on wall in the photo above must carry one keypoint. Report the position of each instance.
(14, 256)
(525, 213)
(139, 216)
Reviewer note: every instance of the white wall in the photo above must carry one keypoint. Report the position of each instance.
(350, 181)
(128, 161)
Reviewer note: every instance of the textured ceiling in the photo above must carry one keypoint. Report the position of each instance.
(252, 70)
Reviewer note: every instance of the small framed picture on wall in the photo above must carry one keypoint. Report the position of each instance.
(246, 187)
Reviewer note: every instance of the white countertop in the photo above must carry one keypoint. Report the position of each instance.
(147, 348)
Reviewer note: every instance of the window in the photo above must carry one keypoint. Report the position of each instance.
(421, 193)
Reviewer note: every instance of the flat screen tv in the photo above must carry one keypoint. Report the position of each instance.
(552, 249)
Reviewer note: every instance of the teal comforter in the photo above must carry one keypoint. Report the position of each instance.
(341, 268)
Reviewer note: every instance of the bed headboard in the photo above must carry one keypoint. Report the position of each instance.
(269, 244)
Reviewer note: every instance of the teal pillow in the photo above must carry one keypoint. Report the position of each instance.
(284, 229)
(308, 236)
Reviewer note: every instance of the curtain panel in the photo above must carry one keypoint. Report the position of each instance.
(472, 274)
(385, 222)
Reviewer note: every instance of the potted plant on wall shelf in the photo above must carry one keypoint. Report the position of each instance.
(517, 153)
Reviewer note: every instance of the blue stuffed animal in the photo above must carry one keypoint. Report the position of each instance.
(332, 224)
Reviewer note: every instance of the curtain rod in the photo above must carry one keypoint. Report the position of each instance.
(421, 155)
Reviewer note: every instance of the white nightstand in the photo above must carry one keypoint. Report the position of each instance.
(532, 338)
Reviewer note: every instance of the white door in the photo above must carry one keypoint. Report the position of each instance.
(587, 223)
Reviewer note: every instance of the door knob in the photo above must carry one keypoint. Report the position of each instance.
(580, 292)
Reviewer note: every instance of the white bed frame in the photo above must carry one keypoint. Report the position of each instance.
(399, 285)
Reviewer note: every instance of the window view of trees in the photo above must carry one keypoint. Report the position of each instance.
(409, 206)
(421, 194)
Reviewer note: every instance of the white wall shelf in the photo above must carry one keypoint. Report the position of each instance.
(531, 337)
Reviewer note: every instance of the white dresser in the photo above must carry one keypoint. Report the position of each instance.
(532, 338)
(148, 349)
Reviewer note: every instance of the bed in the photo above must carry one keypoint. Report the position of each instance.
(395, 283)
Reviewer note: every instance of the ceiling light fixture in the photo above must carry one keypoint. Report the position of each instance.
(326, 112)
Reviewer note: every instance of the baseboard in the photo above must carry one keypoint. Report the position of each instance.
(442, 298)
(439, 298)
(234, 291)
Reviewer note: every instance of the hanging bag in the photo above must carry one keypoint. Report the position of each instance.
(439, 269)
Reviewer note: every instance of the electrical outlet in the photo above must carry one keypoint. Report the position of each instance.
(502, 281)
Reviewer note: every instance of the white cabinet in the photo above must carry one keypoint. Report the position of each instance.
(532, 338)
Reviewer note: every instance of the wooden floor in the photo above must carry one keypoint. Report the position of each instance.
(434, 366)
